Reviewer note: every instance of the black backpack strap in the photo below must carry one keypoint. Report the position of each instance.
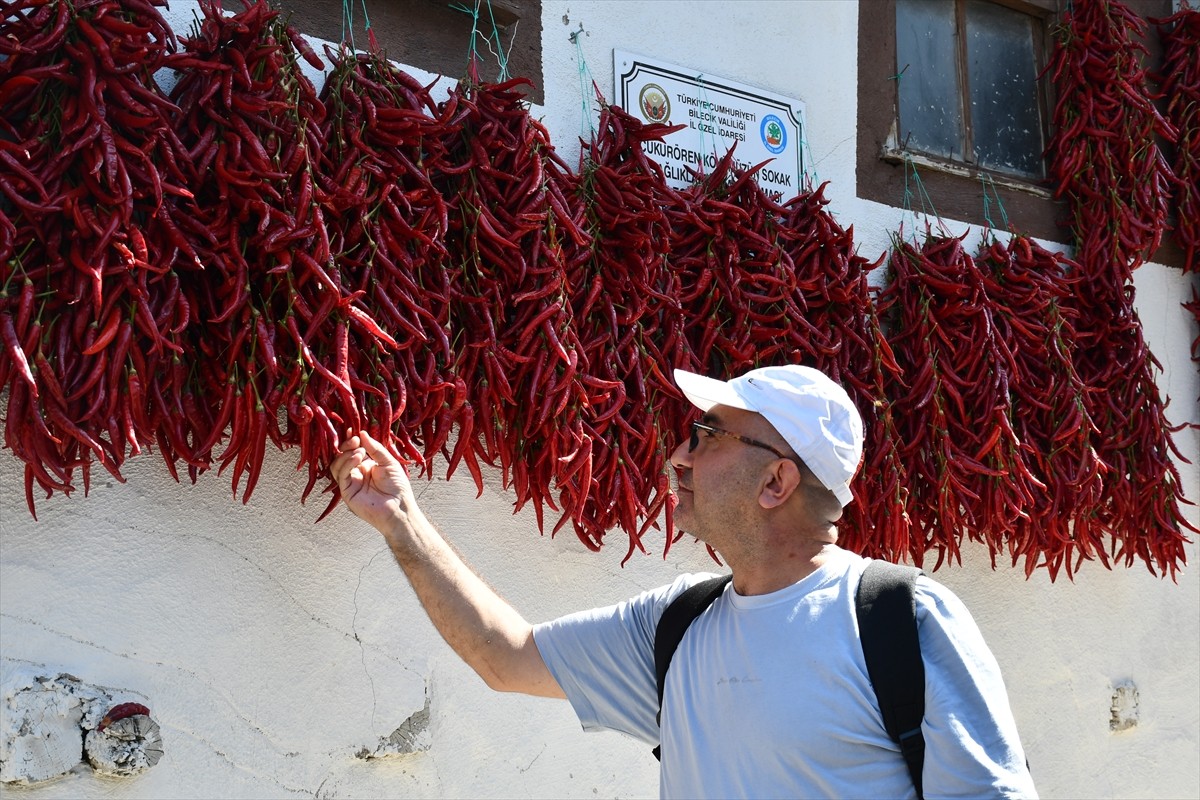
(674, 623)
(887, 623)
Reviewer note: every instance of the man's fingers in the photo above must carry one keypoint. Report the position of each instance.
(376, 450)
(357, 475)
(350, 484)
(346, 463)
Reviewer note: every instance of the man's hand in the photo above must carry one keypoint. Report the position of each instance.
(484, 630)
(373, 482)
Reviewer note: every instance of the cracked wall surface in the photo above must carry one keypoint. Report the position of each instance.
(410, 738)
(283, 658)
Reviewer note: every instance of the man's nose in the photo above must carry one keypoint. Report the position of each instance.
(681, 456)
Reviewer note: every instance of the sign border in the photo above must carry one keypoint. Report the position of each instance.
(638, 64)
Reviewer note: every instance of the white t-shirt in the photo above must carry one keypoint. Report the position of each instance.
(768, 696)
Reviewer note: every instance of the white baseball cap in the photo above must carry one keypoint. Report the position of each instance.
(811, 412)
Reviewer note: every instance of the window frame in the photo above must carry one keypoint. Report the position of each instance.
(955, 187)
(1043, 14)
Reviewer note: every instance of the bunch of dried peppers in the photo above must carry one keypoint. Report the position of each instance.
(1179, 82)
(1106, 163)
(626, 309)
(245, 260)
(94, 184)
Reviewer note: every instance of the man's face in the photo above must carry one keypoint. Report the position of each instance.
(717, 481)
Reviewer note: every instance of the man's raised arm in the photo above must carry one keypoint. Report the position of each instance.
(483, 629)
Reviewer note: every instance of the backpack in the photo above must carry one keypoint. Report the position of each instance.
(887, 621)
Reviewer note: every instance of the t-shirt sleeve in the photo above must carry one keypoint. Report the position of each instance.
(971, 744)
(604, 661)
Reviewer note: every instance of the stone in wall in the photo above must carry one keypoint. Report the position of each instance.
(50, 720)
(125, 742)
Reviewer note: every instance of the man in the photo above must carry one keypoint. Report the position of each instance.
(768, 694)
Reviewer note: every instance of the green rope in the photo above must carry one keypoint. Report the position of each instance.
(473, 48)
(587, 125)
(985, 181)
(908, 164)
(925, 198)
(472, 51)
(927, 205)
(367, 21)
(348, 22)
(987, 217)
(811, 178)
(501, 58)
(908, 197)
(702, 98)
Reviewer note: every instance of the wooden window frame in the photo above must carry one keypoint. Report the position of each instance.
(956, 188)
(433, 35)
(1043, 12)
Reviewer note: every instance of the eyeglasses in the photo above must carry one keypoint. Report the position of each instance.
(694, 442)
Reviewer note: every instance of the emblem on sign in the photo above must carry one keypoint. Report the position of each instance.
(774, 135)
(654, 103)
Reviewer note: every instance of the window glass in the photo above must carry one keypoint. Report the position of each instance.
(930, 110)
(1003, 84)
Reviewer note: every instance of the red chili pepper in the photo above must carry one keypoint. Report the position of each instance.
(122, 711)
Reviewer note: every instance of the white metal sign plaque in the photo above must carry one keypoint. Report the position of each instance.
(719, 114)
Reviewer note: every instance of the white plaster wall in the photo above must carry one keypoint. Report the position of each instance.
(272, 650)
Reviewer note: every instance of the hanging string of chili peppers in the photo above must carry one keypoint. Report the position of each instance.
(1179, 82)
(387, 229)
(1106, 164)
(1105, 161)
(626, 308)
(391, 126)
(952, 410)
(833, 289)
(90, 173)
(725, 249)
(279, 322)
(1030, 290)
(513, 232)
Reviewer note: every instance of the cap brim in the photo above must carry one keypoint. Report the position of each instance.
(704, 393)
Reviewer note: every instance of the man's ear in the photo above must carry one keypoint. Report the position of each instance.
(782, 482)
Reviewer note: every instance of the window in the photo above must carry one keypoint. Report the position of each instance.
(962, 108)
(967, 84)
